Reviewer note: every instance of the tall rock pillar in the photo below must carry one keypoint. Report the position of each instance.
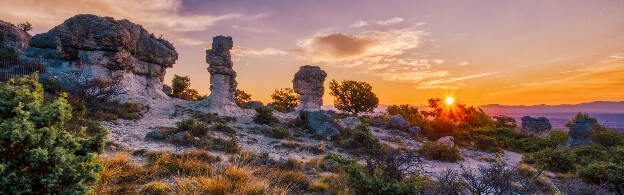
(222, 77)
(308, 83)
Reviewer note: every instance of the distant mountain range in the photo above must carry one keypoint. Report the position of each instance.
(589, 107)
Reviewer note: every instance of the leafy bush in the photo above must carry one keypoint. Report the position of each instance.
(606, 137)
(37, 155)
(534, 144)
(227, 146)
(284, 100)
(51, 85)
(3, 36)
(364, 141)
(559, 160)
(409, 112)
(223, 127)
(440, 151)
(264, 115)
(503, 121)
(7, 54)
(608, 173)
(362, 182)
(26, 26)
(616, 154)
(353, 96)
(156, 188)
(197, 129)
(587, 154)
(559, 136)
(181, 88)
(280, 132)
(486, 143)
(241, 97)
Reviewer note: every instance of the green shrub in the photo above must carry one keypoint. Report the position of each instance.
(616, 154)
(284, 100)
(586, 154)
(440, 151)
(223, 127)
(197, 129)
(537, 143)
(228, 146)
(361, 182)
(156, 188)
(503, 121)
(7, 54)
(559, 137)
(181, 88)
(606, 137)
(558, 160)
(364, 141)
(353, 96)
(486, 143)
(37, 154)
(280, 132)
(264, 115)
(51, 85)
(609, 173)
(3, 36)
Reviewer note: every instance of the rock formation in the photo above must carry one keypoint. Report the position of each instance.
(14, 38)
(540, 126)
(580, 131)
(322, 123)
(222, 77)
(87, 47)
(448, 140)
(308, 83)
(350, 122)
(398, 122)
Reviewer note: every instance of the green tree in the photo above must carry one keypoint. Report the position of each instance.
(284, 100)
(26, 26)
(503, 121)
(37, 154)
(241, 97)
(181, 88)
(353, 96)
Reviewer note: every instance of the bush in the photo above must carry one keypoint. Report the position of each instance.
(586, 154)
(503, 121)
(498, 178)
(7, 54)
(606, 137)
(241, 97)
(51, 85)
(197, 129)
(264, 115)
(440, 151)
(26, 26)
(361, 182)
(223, 127)
(156, 188)
(228, 146)
(284, 100)
(280, 132)
(558, 160)
(607, 173)
(616, 154)
(181, 88)
(486, 143)
(559, 137)
(3, 36)
(537, 143)
(409, 112)
(353, 96)
(37, 154)
(364, 141)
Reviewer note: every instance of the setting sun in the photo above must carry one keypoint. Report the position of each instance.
(449, 100)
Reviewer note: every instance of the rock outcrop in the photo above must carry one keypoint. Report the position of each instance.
(539, 126)
(87, 47)
(222, 77)
(580, 131)
(398, 122)
(14, 38)
(322, 123)
(350, 122)
(448, 140)
(308, 83)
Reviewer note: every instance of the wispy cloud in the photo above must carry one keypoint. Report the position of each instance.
(617, 57)
(444, 83)
(243, 51)
(390, 21)
(359, 24)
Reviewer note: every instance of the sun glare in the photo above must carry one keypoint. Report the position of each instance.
(449, 100)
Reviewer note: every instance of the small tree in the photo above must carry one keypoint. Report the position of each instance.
(241, 97)
(26, 26)
(37, 154)
(284, 100)
(503, 121)
(181, 88)
(353, 96)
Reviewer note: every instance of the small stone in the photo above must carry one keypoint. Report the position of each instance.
(269, 161)
(415, 130)
(322, 123)
(350, 122)
(182, 137)
(156, 135)
(309, 171)
(398, 122)
(449, 140)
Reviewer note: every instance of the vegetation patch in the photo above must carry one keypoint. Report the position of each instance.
(440, 151)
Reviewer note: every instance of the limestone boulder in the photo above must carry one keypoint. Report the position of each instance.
(448, 140)
(539, 126)
(580, 131)
(322, 123)
(308, 83)
(398, 122)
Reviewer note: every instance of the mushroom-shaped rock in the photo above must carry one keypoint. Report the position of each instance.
(308, 83)
(222, 77)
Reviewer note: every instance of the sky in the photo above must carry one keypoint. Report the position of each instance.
(478, 51)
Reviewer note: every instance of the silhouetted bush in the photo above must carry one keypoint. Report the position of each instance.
(449, 183)
(241, 97)
(264, 115)
(26, 26)
(284, 100)
(440, 151)
(181, 88)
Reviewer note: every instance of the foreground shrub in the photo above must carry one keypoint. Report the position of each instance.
(499, 178)
(559, 160)
(607, 137)
(280, 132)
(559, 137)
(284, 100)
(264, 115)
(364, 142)
(37, 154)
(606, 173)
(156, 188)
(197, 129)
(440, 151)
(361, 182)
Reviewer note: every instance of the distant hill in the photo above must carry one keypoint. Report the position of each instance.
(589, 107)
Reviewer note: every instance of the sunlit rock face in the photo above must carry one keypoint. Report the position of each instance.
(86, 47)
(539, 126)
(308, 83)
(14, 38)
(222, 77)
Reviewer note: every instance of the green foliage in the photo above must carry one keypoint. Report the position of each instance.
(195, 128)
(364, 141)
(412, 115)
(223, 127)
(503, 121)
(3, 36)
(440, 151)
(7, 54)
(280, 132)
(361, 182)
(264, 115)
(51, 85)
(241, 97)
(284, 100)
(353, 96)
(26, 26)
(616, 154)
(181, 88)
(156, 188)
(559, 136)
(609, 173)
(486, 143)
(227, 146)
(606, 137)
(559, 160)
(578, 116)
(587, 154)
(37, 155)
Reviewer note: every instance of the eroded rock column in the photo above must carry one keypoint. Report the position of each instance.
(222, 76)
(308, 83)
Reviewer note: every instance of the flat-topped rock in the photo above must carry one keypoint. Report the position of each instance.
(539, 126)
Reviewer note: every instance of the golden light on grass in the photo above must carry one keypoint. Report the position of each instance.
(449, 100)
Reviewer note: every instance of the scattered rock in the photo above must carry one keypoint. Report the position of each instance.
(88, 47)
(309, 171)
(322, 123)
(308, 83)
(282, 162)
(181, 138)
(398, 122)
(350, 122)
(167, 90)
(156, 135)
(222, 77)
(449, 140)
(15, 38)
(378, 123)
(415, 130)
(253, 104)
(539, 126)
(580, 131)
